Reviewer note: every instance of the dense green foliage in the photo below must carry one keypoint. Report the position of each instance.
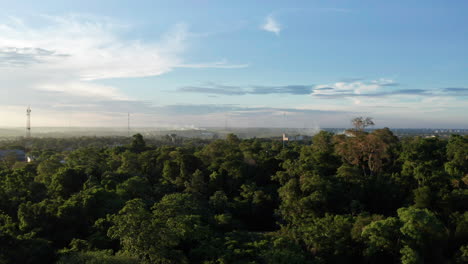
(361, 198)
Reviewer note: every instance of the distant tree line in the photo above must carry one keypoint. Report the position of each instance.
(359, 197)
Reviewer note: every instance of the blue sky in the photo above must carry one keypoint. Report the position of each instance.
(263, 63)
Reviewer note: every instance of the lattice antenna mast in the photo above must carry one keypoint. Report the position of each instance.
(28, 122)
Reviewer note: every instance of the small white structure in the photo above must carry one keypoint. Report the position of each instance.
(292, 138)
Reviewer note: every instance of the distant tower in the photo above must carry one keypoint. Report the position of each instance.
(28, 122)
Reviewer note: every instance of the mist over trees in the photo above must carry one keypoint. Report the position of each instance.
(359, 197)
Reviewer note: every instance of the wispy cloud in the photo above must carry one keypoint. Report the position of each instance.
(58, 59)
(350, 94)
(217, 64)
(219, 89)
(84, 90)
(93, 48)
(271, 25)
(20, 57)
(195, 109)
(353, 88)
(385, 82)
(213, 88)
(379, 88)
(456, 91)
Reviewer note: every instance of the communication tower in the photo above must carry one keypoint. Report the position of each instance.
(28, 122)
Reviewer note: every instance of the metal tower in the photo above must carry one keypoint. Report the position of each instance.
(28, 122)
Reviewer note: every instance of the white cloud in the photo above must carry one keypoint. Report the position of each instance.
(355, 87)
(61, 57)
(217, 64)
(271, 25)
(388, 105)
(85, 90)
(91, 48)
(56, 60)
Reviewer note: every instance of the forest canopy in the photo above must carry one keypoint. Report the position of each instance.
(360, 197)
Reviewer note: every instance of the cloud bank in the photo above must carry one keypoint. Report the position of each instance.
(57, 59)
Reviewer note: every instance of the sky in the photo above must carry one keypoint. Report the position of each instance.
(207, 63)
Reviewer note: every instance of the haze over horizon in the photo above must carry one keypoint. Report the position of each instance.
(203, 63)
